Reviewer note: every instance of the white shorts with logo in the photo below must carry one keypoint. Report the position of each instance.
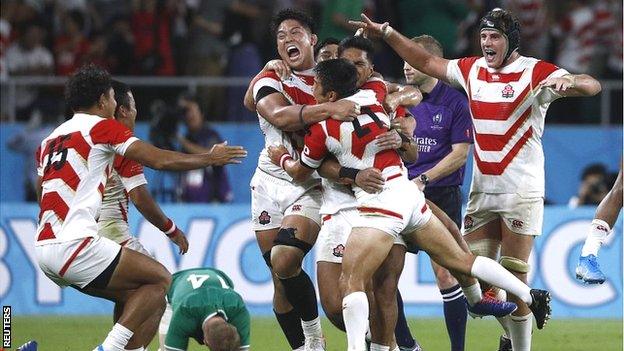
(335, 230)
(273, 198)
(76, 262)
(399, 209)
(521, 214)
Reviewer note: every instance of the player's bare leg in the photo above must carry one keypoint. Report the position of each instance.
(294, 239)
(435, 239)
(142, 284)
(385, 286)
(607, 213)
(327, 274)
(287, 317)
(365, 251)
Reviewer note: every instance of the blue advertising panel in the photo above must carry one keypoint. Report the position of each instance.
(221, 236)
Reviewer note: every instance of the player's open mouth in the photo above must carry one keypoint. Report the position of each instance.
(293, 52)
(489, 54)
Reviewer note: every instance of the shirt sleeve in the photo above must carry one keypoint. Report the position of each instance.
(180, 330)
(38, 161)
(266, 83)
(241, 320)
(113, 135)
(130, 172)
(315, 149)
(544, 70)
(461, 127)
(378, 86)
(457, 71)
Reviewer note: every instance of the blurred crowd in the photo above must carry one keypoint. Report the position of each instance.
(231, 37)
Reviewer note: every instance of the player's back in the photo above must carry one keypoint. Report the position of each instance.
(74, 163)
(187, 281)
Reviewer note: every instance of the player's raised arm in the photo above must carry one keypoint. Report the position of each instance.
(401, 95)
(279, 156)
(153, 157)
(409, 51)
(150, 210)
(573, 85)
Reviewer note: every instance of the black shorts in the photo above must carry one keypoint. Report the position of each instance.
(448, 199)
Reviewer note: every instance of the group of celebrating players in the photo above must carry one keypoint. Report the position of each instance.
(332, 170)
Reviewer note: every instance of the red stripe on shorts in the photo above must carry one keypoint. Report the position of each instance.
(73, 256)
(423, 209)
(326, 218)
(393, 176)
(381, 211)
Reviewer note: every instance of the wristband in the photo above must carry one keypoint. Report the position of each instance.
(386, 31)
(284, 158)
(346, 172)
(171, 228)
(303, 124)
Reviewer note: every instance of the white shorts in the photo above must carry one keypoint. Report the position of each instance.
(398, 209)
(134, 244)
(76, 262)
(119, 232)
(272, 199)
(335, 230)
(522, 215)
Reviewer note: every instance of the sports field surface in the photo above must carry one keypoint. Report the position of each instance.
(56, 333)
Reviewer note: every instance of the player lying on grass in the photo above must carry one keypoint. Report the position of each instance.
(385, 215)
(202, 305)
(73, 165)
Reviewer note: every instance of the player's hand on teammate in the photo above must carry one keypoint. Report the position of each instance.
(389, 140)
(222, 154)
(559, 84)
(180, 240)
(276, 152)
(280, 67)
(344, 110)
(370, 180)
(371, 29)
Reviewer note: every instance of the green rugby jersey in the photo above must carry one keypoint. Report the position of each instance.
(199, 294)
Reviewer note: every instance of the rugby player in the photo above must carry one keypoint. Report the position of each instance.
(384, 215)
(73, 165)
(508, 97)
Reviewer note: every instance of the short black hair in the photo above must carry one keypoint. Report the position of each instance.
(338, 75)
(594, 169)
(357, 42)
(292, 14)
(327, 41)
(121, 95)
(84, 88)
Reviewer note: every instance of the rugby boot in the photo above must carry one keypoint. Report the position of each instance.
(504, 344)
(489, 306)
(29, 346)
(589, 271)
(540, 307)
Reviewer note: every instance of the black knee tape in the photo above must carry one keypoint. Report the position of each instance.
(286, 236)
(267, 258)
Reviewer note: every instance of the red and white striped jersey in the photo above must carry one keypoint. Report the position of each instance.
(113, 221)
(298, 91)
(337, 196)
(353, 143)
(577, 39)
(508, 111)
(74, 163)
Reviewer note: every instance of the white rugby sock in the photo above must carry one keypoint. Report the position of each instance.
(520, 329)
(117, 338)
(489, 271)
(597, 234)
(378, 347)
(139, 349)
(472, 293)
(505, 322)
(312, 328)
(355, 315)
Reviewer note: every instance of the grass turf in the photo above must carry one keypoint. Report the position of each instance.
(56, 333)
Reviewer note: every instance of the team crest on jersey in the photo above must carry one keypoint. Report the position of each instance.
(508, 91)
(338, 250)
(264, 218)
(468, 222)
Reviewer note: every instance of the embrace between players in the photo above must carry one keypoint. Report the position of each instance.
(333, 168)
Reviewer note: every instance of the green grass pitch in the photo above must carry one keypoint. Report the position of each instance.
(56, 333)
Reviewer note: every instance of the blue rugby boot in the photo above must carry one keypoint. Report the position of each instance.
(589, 271)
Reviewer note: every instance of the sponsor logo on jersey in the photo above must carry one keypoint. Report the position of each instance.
(264, 218)
(338, 250)
(468, 222)
(508, 91)
(296, 208)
